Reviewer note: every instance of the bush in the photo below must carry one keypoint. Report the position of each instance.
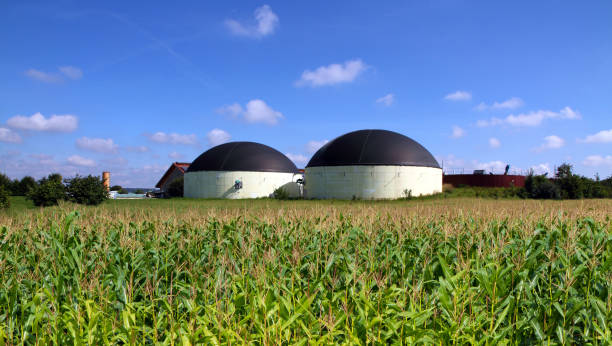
(48, 192)
(5, 183)
(116, 188)
(4, 200)
(21, 188)
(570, 185)
(280, 193)
(175, 189)
(540, 187)
(87, 190)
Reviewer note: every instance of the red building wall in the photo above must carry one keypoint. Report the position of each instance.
(485, 180)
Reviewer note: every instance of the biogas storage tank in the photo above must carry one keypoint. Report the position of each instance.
(372, 164)
(241, 170)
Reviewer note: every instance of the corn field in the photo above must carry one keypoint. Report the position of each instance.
(465, 271)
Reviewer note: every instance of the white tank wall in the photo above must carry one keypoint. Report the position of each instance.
(371, 182)
(220, 184)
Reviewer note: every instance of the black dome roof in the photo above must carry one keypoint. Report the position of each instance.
(242, 156)
(373, 147)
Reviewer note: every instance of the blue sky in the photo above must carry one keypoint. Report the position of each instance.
(130, 87)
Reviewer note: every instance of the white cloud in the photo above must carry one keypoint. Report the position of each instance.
(332, 74)
(458, 132)
(551, 142)
(137, 149)
(175, 155)
(38, 122)
(313, 146)
(217, 136)
(233, 110)
(541, 169)
(43, 76)
(71, 72)
(531, 119)
(257, 111)
(511, 103)
(598, 160)
(265, 24)
(494, 142)
(9, 136)
(99, 145)
(81, 161)
(459, 95)
(299, 159)
(173, 138)
(604, 136)
(386, 100)
(492, 166)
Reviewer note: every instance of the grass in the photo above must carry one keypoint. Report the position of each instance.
(450, 271)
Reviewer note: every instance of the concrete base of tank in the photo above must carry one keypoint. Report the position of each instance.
(371, 182)
(221, 184)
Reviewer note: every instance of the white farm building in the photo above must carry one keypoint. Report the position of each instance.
(372, 164)
(241, 170)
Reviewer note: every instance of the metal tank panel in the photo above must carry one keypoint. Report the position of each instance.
(371, 182)
(221, 184)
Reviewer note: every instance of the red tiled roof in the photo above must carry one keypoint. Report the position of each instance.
(182, 166)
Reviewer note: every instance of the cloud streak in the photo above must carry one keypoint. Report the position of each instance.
(255, 111)
(531, 119)
(100, 145)
(386, 100)
(81, 161)
(215, 137)
(9, 136)
(265, 24)
(173, 138)
(459, 95)
(604, 136)
(551, 142)
(69, 72)
(38, 122)
(458, 132)
(332, 74)
(511, 103)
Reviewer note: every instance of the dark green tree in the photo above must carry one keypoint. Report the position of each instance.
(5, 182)
(570, 185)
(116, 188)
(540, 187)
(21, 188)
(48, 191)
(175, 189)
(89, 190)
(5, 203)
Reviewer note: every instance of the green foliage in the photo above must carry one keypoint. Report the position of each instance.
(122, 191)
(116, 188)
(49, 191)
(5, 203)
(89, 190)
(5, 183)
(175, 188)
(458, 280)
(280, 193)
(570, 185)
(26, 184)
(475, 191)
(540, 187)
